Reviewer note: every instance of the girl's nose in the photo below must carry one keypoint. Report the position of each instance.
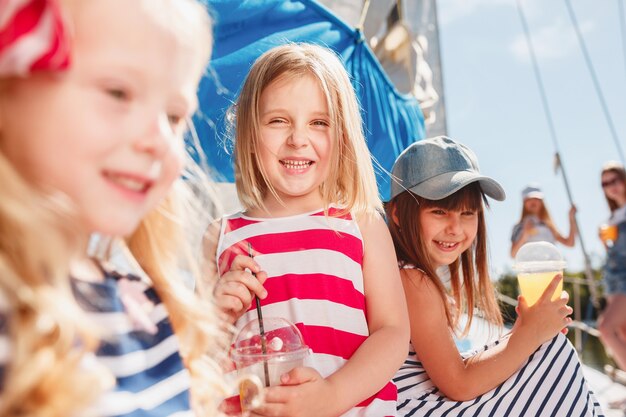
(453, 226)
(157, 138)
(298, 137)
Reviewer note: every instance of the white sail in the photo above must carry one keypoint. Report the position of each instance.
(404, 35)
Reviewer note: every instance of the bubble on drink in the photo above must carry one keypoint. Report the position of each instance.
(269, 357)
(536, 264)
(276, 344)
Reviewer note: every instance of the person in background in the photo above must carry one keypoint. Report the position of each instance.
(436, 217)
(536, 225)
(95, 96)
(323, 256)
(612, 321)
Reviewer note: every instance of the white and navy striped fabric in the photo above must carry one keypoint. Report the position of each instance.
(550, 383)
(151, 379)
(315, 279)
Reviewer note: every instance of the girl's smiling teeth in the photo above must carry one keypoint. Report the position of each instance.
(129, 182)
(296, 164)
(446, 245)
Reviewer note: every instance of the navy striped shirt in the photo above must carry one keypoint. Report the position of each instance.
(151, 379)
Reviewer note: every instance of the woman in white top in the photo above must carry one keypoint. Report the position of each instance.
(536, 225)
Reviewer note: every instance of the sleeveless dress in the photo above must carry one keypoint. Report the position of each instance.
(151, 379)
(549, 383)
(540, 232)
(315, 280)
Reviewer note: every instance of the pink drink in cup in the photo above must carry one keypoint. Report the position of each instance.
(282, 351)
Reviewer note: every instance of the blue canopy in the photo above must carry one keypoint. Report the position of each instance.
(245, 29)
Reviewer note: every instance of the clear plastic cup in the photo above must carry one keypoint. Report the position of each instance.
(608, 234)
(536, 263)
(281, 350)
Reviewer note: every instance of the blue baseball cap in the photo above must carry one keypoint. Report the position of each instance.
(436, 168)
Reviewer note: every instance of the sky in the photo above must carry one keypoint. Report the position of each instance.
(493, 105)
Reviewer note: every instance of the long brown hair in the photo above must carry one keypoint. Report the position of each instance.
(469, 275)
(617, 169)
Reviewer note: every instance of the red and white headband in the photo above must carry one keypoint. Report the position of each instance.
(32, 37)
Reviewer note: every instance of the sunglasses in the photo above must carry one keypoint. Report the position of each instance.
(610, 182)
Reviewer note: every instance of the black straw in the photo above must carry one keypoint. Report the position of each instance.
(262, 330)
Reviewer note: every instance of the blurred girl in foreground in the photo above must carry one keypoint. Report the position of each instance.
(94, 102)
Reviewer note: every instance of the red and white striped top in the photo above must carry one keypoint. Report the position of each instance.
(32, 37)
(315, 279)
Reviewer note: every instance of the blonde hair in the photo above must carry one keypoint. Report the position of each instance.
(351, 183)
(618, 169)
(469, 275)
(50, 336)
(162, 247)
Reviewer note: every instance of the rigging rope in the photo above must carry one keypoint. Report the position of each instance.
(622, 27)
(594, 78)
(544, 100)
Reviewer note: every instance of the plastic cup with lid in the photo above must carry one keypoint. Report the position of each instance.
(608, 234)
(267, 357)
(536, 264)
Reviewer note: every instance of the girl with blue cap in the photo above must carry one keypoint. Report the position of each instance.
(436, 218)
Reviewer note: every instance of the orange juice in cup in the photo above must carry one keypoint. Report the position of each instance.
(608, 234)
(532, 285)
(536, 264)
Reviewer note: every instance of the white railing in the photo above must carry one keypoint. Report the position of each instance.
(577, 324)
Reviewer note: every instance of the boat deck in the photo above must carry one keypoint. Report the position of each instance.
(606, 390)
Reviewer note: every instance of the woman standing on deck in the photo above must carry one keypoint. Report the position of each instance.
(612, 322)
(536, 224)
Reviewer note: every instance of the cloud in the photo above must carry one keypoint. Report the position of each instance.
(550, 42)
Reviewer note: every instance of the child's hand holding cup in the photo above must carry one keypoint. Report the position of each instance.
(536, 264)
(265, 358)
